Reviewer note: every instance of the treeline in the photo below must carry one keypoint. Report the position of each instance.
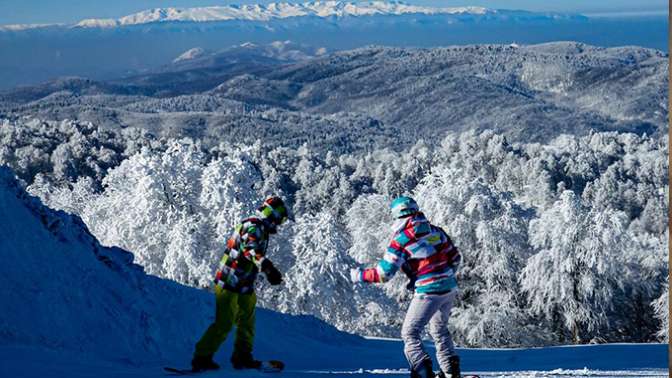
(562, 242)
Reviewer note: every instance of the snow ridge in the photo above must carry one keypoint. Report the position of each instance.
(22, 27)
(271, 11)
(190, 54)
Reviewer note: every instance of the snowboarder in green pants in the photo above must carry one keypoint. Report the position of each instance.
(243, 259)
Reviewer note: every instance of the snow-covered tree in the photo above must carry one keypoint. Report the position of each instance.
(229, 192)
(66, 150)
(174, 202)
(174, 209)
(662, 308)
(490, 231)
(320, 270)
(573, 277)
(368, 222)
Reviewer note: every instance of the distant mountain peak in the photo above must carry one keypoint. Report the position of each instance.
(22, 27)
(256, 12)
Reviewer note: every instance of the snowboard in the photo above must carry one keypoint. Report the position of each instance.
(271, 366)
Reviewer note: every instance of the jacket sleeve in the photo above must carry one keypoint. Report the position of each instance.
(393, 259)
(252, 243)
(224, 272)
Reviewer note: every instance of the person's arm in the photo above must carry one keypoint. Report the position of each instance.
(225, 274)
(394, 258)
(273, 275)
(253, 245)
(455, 258)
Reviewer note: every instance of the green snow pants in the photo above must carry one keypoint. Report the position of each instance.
(232, 309)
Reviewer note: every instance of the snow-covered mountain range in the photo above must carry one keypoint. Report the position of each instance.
(108, 48)
(276, 11)
(257, 12)
(279, 11)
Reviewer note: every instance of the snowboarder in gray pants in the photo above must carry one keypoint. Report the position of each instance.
(427, 255)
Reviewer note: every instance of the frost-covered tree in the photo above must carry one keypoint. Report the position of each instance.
(644, 275)
(490, 231)
(320, 270)
(144, 197)
(573, 277)
(320, 250)
(65, 150)
(368, 223)
(662, 308)
(174, 209)
(174, 202)
(229, 191)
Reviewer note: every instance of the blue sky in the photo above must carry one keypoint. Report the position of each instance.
(66, 11)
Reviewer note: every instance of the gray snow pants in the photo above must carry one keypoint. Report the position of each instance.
(435, 310)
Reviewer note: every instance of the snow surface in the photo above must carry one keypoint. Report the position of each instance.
(74, 308)
(255, 12)
(369, 358)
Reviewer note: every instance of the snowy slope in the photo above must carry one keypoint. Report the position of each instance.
(368, 358)
(63, 291)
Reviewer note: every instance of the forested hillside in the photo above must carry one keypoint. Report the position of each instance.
(371, 98)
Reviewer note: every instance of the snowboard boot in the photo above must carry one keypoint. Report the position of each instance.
(203, 363)
(454, 369)
(424, 371)
(245, 361)
(454, 362)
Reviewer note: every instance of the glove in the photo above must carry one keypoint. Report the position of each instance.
(408, 271)
(356, 275)
(272, 274)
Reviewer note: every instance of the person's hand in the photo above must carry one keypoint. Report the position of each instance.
(274, 277)
(272, 274)
(356, 275)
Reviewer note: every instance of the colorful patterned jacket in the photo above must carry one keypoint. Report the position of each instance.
(242, 260)
(430, 255)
